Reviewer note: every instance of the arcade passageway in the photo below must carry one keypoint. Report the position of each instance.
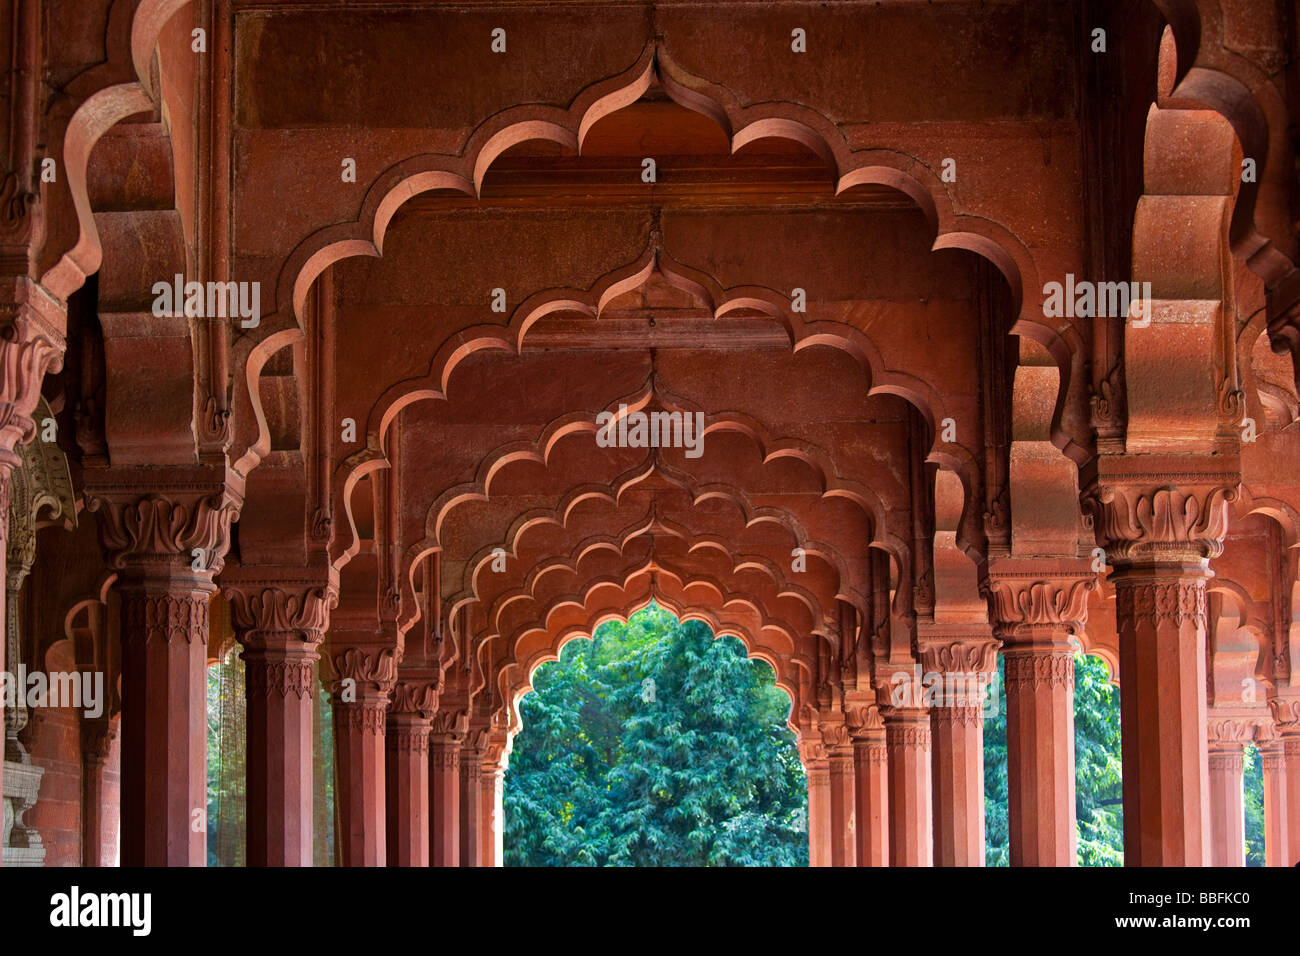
(893, 339)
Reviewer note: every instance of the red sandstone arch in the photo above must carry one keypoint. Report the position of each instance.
(582, 613)
(597, 556)
(852, 589)
(365, 236)
(435, 385)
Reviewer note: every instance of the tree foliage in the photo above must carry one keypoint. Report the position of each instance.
(655, 745)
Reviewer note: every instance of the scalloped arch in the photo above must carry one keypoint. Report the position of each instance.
(513, 678)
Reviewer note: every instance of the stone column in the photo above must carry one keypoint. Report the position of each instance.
(1285, 707)
(1038, 608)
(843, 805)
(817, 769)
(471, 824)
(279, 625)
(1227, 818)
(166, 548)
(1159, 540)
(445, 766)
(911, 820)
(100, 791)
(1273, 763)
(32, 326)
(407, 767)
(364, 676)
(492, 779)
(871, 785)
(961, 663)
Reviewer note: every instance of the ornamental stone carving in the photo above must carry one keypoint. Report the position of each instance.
(160, 528)
(165, 618)
(264, 610)
(1173, 602)
(1187, 518)
(1039, 668)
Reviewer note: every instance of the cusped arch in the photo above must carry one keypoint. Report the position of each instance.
(514, 677)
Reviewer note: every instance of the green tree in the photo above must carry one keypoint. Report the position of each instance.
(1254, 806)
(655, 745)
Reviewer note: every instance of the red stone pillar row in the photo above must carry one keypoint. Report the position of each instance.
(1038, 607)
(100, 791)
(1226, 774)
(908, 741)
(279, 622)
(32, 325)
(959, 661)
(1285, 706)
(364, 674)
(870, 786)
(446, 764)
(1159, 540)
(166, 545)
(410, 716)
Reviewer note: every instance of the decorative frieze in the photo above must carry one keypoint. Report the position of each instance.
(1175, 602)
(1162, 518)
(168, 618)
(282, 678)
(1038, 668)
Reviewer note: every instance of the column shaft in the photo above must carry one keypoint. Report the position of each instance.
(164, 719)
(819, 812)
(492, 816)
(1161, 617)
(1040, 753)
(407, 769)
(1227, 819)
(958, 781)
(471, 808)
(444, 801)
(1273, 763)
(911, 836)
(359, 728)
(871, 787)
(843, 807)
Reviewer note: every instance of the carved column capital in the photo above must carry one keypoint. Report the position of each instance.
(182, 526)
(1162, 518)
(407, 732)
(864, 722)
(280, 627)
(837, 739)
(97, 738)
(947, 651)
(1230, 729)
(415, 697)
(31, 344)
(1286, 714)
(1040, 601)
(371, 671)
(813, 752)
(266, 613)
(453, 725)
